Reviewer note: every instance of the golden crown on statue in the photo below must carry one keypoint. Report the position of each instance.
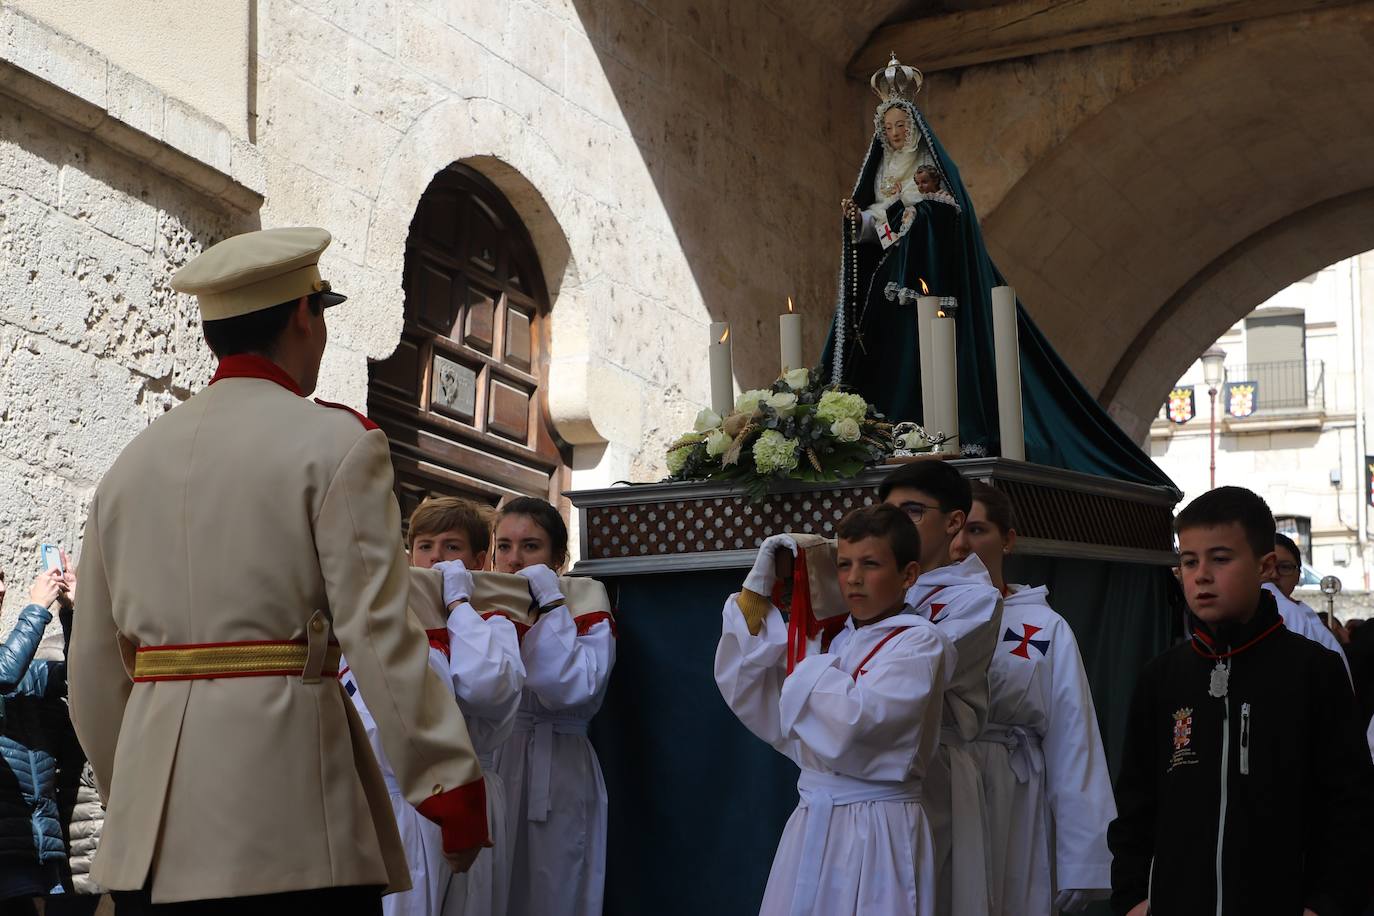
(897, 81)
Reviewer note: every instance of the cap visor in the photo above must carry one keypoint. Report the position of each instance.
(332, 298)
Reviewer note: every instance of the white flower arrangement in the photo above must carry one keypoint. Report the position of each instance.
(798, 428)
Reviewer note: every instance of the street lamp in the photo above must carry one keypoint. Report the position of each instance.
(1213, 373)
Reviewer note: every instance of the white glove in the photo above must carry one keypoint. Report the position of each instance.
(761, 578)
(457, 582)
(543, 585)
(1075, 900)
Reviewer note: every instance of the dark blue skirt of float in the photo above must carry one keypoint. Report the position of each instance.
(697, 803)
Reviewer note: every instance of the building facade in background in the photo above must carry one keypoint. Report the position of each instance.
(1291, 417)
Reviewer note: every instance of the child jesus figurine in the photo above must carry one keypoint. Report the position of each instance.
(861, 717)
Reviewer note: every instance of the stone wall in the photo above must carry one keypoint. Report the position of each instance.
(197, 51)
(674, 169)
(93, 343)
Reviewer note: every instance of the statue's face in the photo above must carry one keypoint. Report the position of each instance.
(897, 128)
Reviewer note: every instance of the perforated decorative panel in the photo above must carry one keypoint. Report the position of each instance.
(1059, 512)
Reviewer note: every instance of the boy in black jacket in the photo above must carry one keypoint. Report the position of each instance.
(1246, 786)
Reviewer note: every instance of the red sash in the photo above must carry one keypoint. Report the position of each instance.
(802, 624)
(882, 642)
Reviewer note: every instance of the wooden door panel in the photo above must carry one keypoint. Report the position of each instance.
(479, 326)
(519, 343)
(508, 411)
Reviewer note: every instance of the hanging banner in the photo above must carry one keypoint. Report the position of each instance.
(1182, 405)
(1369, 479)
(1242, 399)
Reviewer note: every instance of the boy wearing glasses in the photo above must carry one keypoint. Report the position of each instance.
(960, 599)
(1297, 615)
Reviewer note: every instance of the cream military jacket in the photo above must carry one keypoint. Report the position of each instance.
(233, 518)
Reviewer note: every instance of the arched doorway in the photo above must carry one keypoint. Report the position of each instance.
(462, 398)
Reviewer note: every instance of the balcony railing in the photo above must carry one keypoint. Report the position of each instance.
(1287, 385)
(1279, 386)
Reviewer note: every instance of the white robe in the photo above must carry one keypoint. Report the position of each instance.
(488, 677)
(486, 673)
(1044, 769)
(858, 842)
(966, 607)
(555, 795)
(1299, 617)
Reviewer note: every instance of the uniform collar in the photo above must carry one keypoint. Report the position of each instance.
(968, 571)
(901, 618)
(1024, 594)
(250, 365)
(1226, 635)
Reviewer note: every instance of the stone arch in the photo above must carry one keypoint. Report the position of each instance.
(1180, 206)
(497, 142)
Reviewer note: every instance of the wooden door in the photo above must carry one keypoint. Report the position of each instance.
(462, 398)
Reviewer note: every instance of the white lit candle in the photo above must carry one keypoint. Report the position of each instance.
(926, 307)
(943, 345)
(722, 373)
(790, 336)
(1006, 348)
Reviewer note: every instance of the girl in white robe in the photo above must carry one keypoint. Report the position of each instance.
(1045, 777)
(556, 797)
(861, 718)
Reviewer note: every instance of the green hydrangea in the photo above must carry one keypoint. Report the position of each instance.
(837, 405)
(677, 458)
(774, 452)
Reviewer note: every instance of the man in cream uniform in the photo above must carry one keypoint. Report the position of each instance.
(227, 549)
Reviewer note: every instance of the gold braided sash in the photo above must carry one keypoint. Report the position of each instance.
(229, 659)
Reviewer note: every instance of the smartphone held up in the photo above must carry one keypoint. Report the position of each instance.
(51, 558)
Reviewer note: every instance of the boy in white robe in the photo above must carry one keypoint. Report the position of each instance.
(1297, 615)
(962, 602)
(480, 659)
(1049, 792)
(860, 717)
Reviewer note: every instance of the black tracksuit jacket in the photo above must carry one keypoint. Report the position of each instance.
(1265, 796)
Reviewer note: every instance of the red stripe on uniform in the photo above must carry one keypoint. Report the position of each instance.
(587, 621)
(438, 639)
(882, 642)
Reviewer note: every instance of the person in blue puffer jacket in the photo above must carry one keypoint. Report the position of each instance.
(31, 845)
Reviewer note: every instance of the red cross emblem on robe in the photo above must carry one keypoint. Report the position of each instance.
(1025, 641)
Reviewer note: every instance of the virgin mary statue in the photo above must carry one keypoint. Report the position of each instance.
(909, 227)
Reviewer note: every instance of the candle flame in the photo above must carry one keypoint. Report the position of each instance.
(940, 313)
(925, 290)
(789, 304)
(724, 337)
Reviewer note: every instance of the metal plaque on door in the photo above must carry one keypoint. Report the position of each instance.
(454, 388)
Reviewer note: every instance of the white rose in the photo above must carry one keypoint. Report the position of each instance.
(797, 379)
(784, 403)
(748, 402)
(718, 443)
(707, 420)
(846, 430)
